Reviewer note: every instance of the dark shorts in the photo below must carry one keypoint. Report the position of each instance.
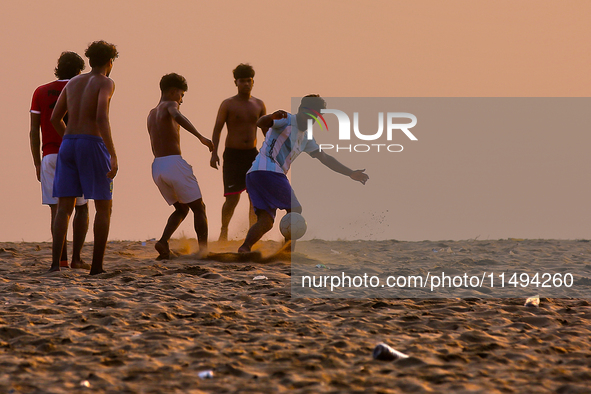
(270, 191)
(237, 162)
(82, 166)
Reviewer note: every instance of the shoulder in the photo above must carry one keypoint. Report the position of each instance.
(281, 124)
(108, 82)
(169, 105)
(76, 79)
(43, 87)
(72, 83)
(260, 104)
(102, 81)
(227, 102)
(38, 90)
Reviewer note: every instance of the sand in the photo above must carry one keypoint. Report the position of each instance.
(150, 326)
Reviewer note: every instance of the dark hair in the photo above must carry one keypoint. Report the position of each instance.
(243, 71)
(69, 65)
(173, 80)
(313, 101)
(100, 52)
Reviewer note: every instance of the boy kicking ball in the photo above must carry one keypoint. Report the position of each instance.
(266, 181)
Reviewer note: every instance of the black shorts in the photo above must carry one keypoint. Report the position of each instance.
(237, 162)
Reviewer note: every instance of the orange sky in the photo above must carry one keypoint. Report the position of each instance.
(335, 48)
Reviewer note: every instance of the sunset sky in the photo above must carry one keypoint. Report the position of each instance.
(337, 49)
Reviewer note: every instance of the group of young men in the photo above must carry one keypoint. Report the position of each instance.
(78, 160)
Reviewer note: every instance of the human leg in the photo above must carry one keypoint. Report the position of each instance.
(102, 221)
(198, 208)
(177, 184)
(263, 225)
(252, 216)
(65, 206)
(48, 167)
(237, 162)
(80, 229)
(64, 255)
(227, 213)
(47, 175)
(174, 221)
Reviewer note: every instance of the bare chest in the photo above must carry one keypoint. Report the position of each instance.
(244, 113)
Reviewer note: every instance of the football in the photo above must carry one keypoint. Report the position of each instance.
(293, 226)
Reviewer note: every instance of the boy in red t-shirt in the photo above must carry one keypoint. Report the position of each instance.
(69, 65)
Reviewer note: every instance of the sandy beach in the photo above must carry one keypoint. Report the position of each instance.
(150, 326)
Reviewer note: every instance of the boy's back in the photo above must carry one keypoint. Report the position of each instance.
(83, 101)
(164, 130)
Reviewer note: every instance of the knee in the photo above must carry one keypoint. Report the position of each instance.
(182, 209)
(266, 221)
(64, 209)
(232, 200)
(269, 225)
(198, 206)
(103, 207)
(82, 209)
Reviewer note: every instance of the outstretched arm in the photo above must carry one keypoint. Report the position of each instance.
(104, 126)
(187, 125)
(217, 131)
(337, 166)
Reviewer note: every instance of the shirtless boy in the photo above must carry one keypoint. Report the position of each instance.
(240, 114)
(173, 175)
(87, 162)
(69, 65)
(266, 180)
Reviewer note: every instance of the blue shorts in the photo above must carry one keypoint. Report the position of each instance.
(270, 191)
(82, 166)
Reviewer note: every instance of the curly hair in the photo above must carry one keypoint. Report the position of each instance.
(243, 71)
(100, 52)
(173, 80)
(69, 65)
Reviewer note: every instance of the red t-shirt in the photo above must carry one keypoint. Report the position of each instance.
(44, 100)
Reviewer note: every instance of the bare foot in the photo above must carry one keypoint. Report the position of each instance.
(223, 235)
(202, 253)
(163, 250)
(54, 269)
(101, 271)
(80, 265)
(243, 249)
(171, 255)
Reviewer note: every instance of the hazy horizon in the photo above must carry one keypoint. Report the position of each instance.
(336, 49)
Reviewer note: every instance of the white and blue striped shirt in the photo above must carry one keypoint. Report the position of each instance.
(283, 143)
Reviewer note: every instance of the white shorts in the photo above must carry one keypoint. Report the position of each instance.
(47, 175)
(175, 180)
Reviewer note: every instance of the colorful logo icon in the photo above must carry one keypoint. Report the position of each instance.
(318, 115)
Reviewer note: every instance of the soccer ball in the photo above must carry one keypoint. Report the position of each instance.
(293, 226)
